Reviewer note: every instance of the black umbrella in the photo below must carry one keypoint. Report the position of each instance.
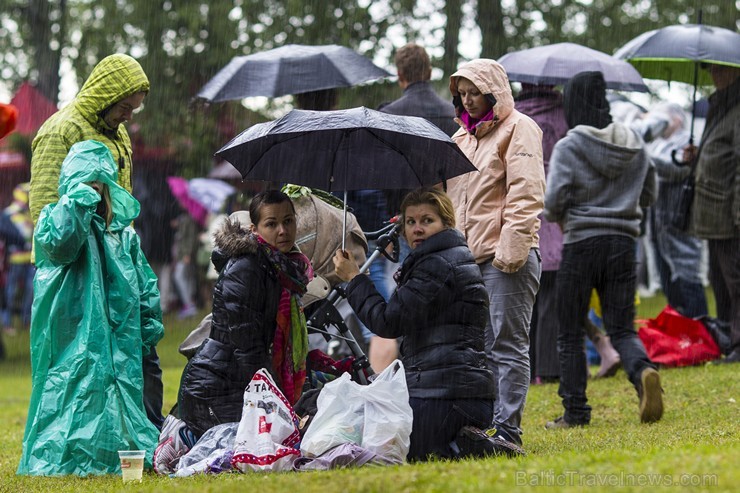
(555, 64)
(290, 69)
(353, 149)
(674, 53)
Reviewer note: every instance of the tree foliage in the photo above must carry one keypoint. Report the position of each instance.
(182, 43)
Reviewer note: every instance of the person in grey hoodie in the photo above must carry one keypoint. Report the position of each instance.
(600, 176)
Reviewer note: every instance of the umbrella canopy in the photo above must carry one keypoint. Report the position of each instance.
(555, 64)
(354, 149)
(210, 192)
(225, 171)
(179, 188)
(671, 52)
(290, 69)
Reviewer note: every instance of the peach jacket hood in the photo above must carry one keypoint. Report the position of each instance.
(498, 208)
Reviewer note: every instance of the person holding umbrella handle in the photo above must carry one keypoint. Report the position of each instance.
(715, 209)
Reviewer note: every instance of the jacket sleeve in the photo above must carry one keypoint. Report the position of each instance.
(559, 183)
(525, 190)
(426, 289)
(49, 150)
(64, 227)
(150, 309)
(649, 187)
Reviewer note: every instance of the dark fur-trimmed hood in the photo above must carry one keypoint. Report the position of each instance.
(232, 239)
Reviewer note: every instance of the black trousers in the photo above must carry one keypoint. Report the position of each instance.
(607, 264)
(724, 276)
(153, 389)
(437, 421)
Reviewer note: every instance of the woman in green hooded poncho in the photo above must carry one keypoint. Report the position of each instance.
(95, 313)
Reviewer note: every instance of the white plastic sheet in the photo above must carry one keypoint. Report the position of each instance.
(377, 417)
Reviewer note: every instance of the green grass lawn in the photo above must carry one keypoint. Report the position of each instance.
(695, 446)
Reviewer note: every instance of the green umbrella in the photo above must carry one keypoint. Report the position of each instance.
(675, 53)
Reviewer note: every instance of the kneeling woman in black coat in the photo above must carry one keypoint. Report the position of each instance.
(257, 318)
(440, 308)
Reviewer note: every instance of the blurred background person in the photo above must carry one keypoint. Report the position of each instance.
(677, 253)
(16, 228)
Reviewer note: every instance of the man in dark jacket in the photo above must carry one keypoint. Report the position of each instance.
(600, 177)
(715, 214)
(419, 99)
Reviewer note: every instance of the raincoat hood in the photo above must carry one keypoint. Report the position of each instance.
(621, 149)
(114, 78)
(89, 161)
(490, 78)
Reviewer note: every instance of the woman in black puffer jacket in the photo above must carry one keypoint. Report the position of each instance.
(261, 275)
(440, 308)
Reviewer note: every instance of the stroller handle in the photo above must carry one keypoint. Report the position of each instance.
(389, 225)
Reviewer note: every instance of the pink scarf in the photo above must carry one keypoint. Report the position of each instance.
(472, 123)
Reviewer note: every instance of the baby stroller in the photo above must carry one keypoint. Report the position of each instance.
(332, 325)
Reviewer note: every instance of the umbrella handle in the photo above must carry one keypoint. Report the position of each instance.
(675, 160)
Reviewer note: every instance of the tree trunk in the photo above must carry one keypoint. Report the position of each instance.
(48, 60)
(490, 19)
(453, 11)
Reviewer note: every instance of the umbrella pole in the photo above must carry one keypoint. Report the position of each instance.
(344, 220)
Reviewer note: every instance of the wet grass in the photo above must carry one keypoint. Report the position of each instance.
(695, 446)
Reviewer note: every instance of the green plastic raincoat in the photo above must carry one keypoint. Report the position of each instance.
(95, 312)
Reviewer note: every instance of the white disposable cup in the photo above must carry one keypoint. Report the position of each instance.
(132, 464)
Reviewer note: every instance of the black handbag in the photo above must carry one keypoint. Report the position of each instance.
(682, 215)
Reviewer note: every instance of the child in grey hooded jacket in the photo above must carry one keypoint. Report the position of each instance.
(600, 178)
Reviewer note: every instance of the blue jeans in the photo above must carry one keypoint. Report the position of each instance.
(687, 297)
(19, 274)
(512, 298)
(606, 263)
(437, 421)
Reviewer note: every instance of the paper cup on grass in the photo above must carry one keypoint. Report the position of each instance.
(132, 464)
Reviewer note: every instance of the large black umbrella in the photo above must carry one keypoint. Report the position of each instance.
(353, 149)
(674, 53)
(290, 69)
(555, 64)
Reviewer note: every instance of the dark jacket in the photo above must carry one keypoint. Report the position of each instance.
(245, 304)
(441, 308)
(716, 207)
(419, 99)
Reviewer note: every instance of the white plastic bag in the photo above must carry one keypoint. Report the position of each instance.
(377, 417)
(268, 429)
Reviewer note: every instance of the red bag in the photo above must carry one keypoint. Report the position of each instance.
(671, 339)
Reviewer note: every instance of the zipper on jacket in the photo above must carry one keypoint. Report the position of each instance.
(213, 415)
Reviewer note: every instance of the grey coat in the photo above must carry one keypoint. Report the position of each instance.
(715, 213)
(599, 179)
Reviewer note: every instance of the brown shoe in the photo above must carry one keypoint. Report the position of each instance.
(651, 396)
